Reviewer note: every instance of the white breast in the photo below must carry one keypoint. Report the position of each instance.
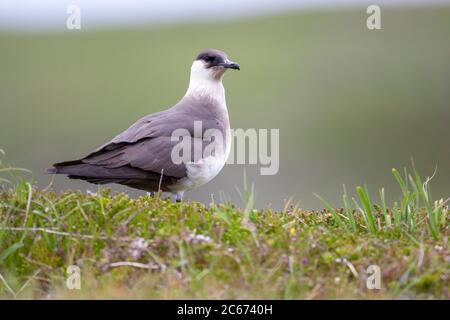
(204, 85)
(204, 170)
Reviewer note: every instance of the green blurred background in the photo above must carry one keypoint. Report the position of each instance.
(350, 103)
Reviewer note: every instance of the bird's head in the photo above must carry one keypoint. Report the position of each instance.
(211, 64)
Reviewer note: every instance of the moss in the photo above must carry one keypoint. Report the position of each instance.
(428, 283)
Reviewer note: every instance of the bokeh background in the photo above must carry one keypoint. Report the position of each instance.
(350, 103)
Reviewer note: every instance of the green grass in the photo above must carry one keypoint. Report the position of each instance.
(414, 208)
(154, 248)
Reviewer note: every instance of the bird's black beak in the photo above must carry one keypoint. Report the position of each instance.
(231, 65)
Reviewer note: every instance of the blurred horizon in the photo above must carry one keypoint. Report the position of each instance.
(50, 16)
(350, 103)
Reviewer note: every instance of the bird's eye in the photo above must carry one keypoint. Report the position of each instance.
(208, 59)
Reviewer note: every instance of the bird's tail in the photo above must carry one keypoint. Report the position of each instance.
(126, 175)
(77, 169)
(65, 167)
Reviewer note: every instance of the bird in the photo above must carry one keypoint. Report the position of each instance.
(141, 156)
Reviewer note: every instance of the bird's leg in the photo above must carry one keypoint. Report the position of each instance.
(179, 196)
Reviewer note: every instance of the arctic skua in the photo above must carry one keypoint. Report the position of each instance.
(141, 156)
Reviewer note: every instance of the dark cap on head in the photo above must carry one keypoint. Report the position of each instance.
(217, 58)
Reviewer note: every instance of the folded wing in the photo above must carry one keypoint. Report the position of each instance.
(139, 157)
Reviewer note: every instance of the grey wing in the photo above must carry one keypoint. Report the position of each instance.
(141, 156)
(148, 145)
(152, 154)
(183, 115)
(161, 124)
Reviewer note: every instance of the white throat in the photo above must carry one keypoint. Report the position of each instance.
(206, 83)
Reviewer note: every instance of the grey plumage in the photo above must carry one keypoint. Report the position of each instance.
(140, 157)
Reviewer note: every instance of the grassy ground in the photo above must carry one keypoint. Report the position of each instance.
(154, 248)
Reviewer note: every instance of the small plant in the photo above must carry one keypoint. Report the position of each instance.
(12, 172)
(413, 208)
